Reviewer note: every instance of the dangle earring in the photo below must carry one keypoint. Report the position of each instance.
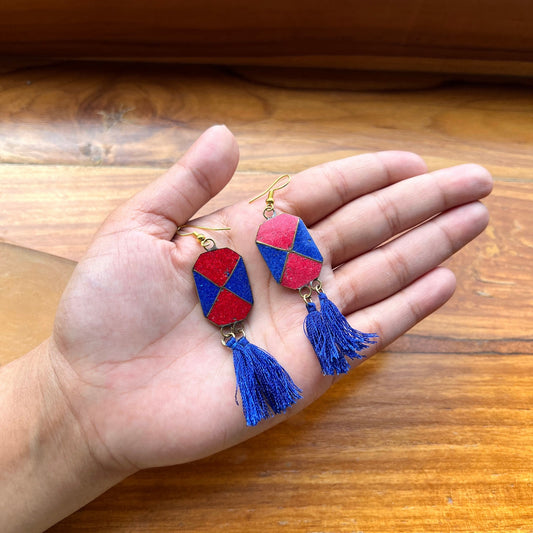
(295, 262)
(226, 299)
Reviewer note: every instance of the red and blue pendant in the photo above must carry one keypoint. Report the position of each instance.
(225, 295)
(289, 251)
(223, 286)
(295, 262)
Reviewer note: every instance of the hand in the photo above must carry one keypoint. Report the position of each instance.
(144, 372)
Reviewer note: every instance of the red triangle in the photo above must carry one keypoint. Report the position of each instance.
(300, 271)
(228, 308)
(217, 265)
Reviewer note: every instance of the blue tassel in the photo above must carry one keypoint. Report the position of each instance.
(332, 337)
(319, 334)
(349, 340)
(265, 386)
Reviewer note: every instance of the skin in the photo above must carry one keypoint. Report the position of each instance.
(135, 377)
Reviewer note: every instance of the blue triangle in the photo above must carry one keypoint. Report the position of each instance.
(304, 244)
(239, 283)
(207, 291)
(274, 258)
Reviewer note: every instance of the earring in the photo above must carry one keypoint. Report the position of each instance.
(226, 299)
(295, 262)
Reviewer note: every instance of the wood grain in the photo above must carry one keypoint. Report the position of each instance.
(489, 31)
(126, 115)
(432, 435)
(408, 443)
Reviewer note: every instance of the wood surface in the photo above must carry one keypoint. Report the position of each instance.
(434, 434)
(488, 35)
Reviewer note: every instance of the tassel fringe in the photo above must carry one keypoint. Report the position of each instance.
(265, 387)
(317, 331)
(332, 337)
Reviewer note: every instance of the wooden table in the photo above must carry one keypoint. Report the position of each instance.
(434, 434)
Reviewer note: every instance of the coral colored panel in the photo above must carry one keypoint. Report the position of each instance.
(299, 271)
(278, 231)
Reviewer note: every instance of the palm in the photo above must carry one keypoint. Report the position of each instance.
(148, 371)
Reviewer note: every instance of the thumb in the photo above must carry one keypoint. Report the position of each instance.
(177, 195)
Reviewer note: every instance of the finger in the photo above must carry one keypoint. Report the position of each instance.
(318, 191)
(393, 317)
(368, 221)
(177, 195)
(379, 274)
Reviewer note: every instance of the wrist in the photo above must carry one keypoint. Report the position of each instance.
(48, 466)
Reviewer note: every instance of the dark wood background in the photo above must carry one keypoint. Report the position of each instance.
(466, 35)
(433, 434)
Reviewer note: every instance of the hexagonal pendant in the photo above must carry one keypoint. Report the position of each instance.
(289, 251)
(223, 286)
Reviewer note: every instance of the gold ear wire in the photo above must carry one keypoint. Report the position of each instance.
(270, 194)
(206, 242)
(179, 228)
(272, 189)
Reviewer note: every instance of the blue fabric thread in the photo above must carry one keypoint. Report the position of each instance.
(265, 386)
(317, 331)
(332, 337)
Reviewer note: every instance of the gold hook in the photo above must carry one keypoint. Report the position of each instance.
(179, 228)
(269, 212)
(206, 242)
(271, 190)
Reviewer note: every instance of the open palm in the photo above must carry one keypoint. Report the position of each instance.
(146, 374)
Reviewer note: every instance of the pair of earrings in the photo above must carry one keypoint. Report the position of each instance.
(226, 298)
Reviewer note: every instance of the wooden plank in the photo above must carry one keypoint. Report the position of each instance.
(126, 115)
(425, 442)
(466, 29)
(433, 435)
(386, 64)
(58, 209)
